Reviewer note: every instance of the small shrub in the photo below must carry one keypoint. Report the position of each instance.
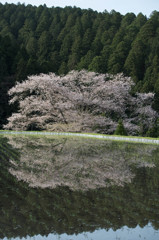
(120, 130)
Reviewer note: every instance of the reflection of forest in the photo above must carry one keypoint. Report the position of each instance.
(31, 211)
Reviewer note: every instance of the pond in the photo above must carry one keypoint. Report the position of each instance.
(71, 188)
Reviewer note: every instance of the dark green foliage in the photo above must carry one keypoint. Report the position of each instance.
(40, 39)
(154, 130)
(76, 38)
(120, 130)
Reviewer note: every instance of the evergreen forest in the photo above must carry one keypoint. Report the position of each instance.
(37, 40)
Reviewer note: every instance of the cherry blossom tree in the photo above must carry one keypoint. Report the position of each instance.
(80, 101)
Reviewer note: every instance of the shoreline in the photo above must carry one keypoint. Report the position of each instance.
(86, 135)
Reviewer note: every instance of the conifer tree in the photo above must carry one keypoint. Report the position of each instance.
(120, 130)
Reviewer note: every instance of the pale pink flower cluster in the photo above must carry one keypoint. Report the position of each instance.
(94, 101)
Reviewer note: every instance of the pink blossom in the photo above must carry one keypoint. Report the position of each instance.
(93, 102)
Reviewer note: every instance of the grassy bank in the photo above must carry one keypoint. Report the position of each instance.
(135, 139)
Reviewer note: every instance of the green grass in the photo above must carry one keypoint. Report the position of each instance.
(82, 133)
(93, 135)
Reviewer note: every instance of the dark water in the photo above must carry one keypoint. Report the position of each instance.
(70, 188)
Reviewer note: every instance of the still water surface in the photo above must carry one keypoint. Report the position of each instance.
(76, 189)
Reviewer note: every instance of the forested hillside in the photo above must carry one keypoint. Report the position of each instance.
(37, 40)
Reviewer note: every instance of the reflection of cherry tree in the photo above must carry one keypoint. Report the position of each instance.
(80, 101)
(51, 162)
